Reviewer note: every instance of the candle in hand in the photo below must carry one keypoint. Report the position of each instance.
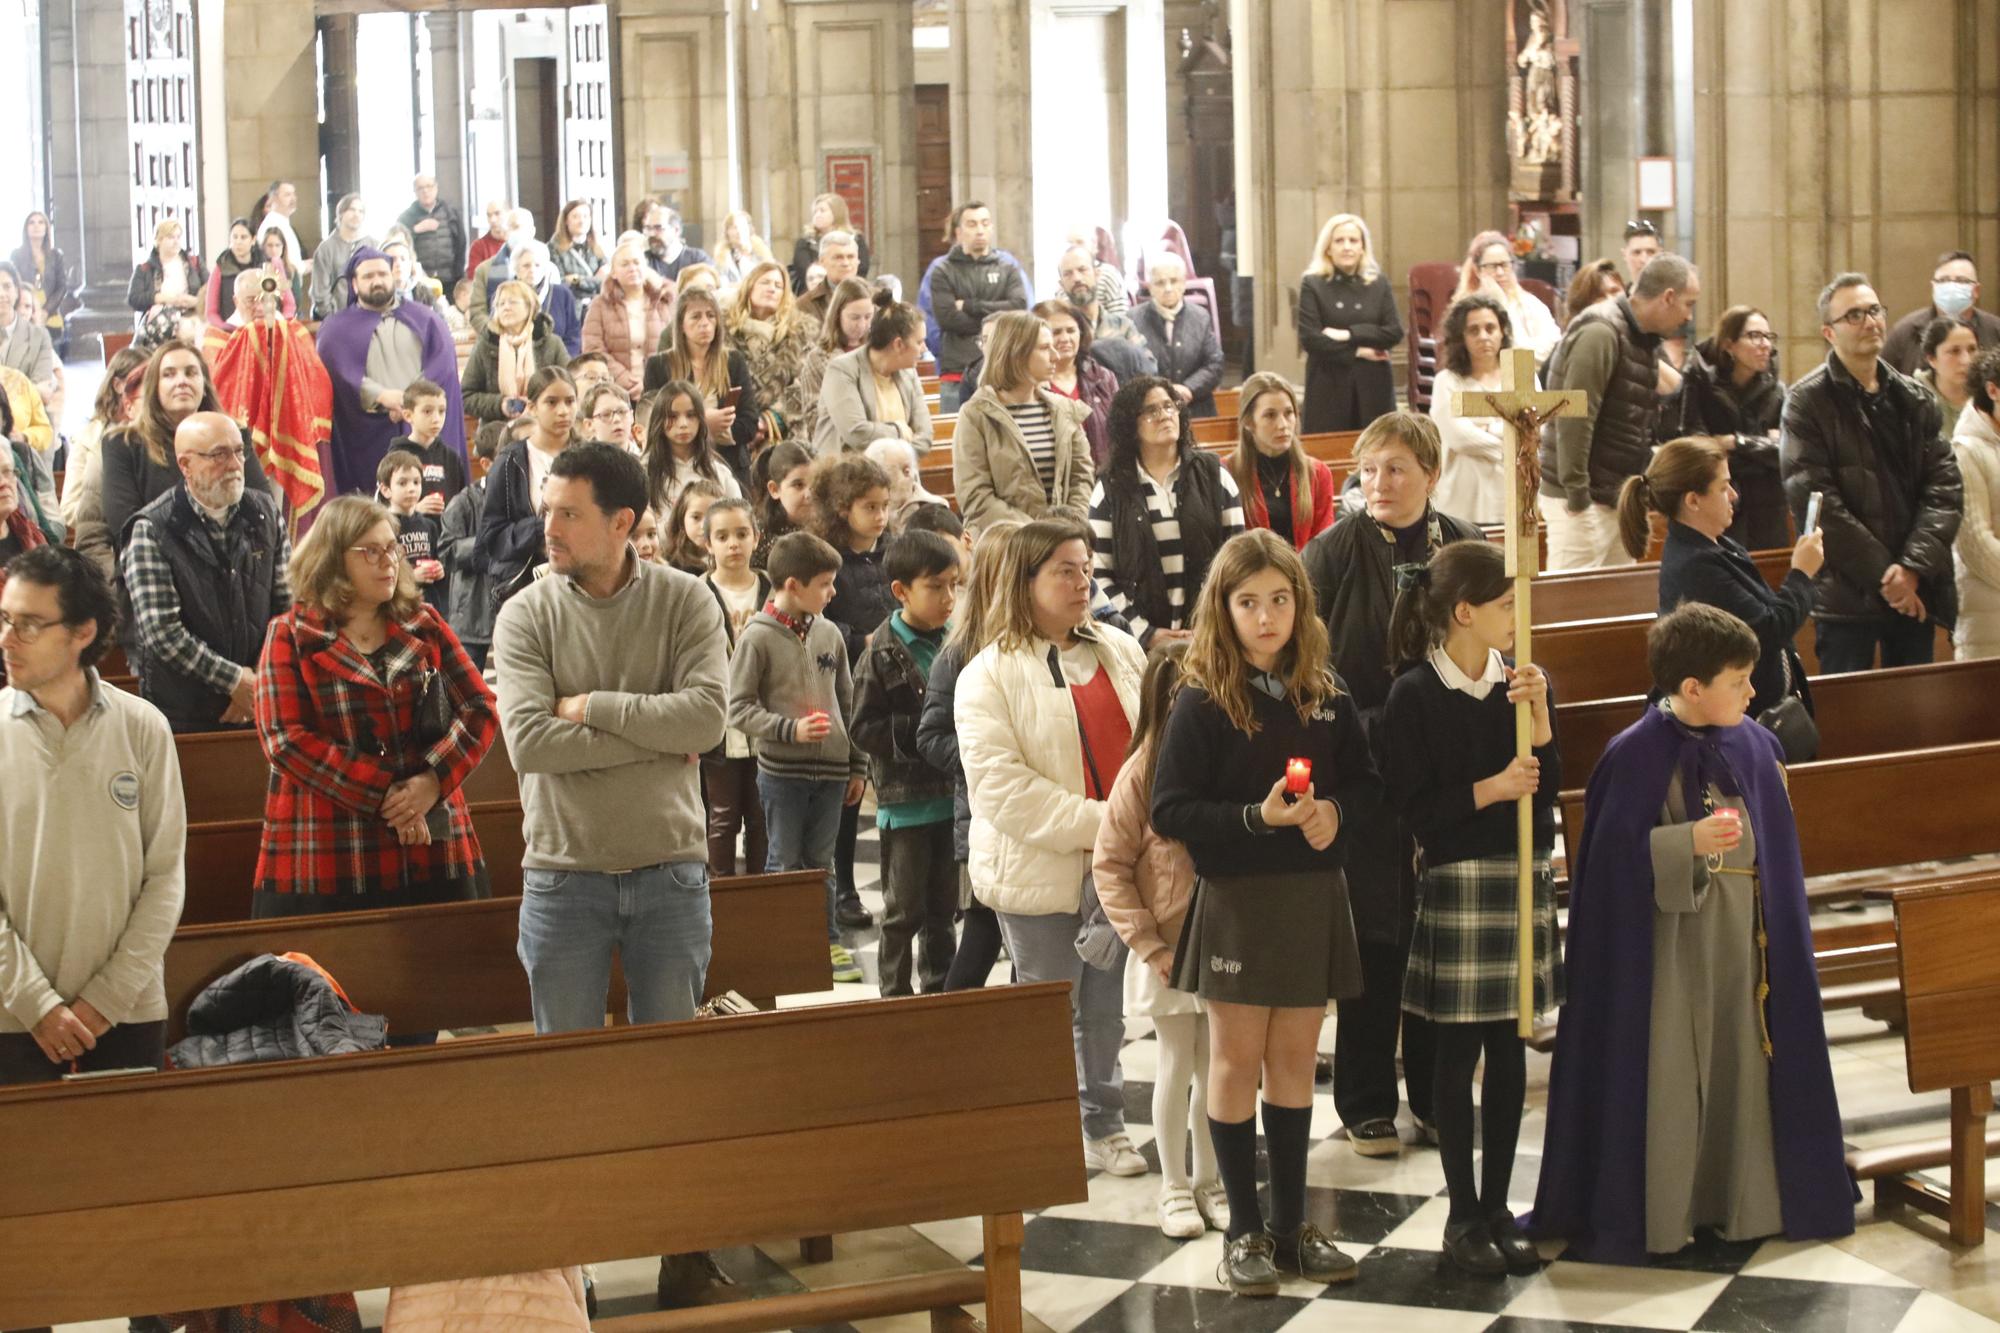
(1298, 776)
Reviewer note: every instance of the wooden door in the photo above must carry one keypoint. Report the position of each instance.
(160, 107)
(587, 163)
(933, 176)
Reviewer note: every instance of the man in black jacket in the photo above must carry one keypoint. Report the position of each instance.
(437, 232)
(973, 282)
(1867, 440)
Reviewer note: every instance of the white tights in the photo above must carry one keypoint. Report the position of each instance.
(1183, 1066)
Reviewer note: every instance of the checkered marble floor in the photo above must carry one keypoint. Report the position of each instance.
(1102, 1266)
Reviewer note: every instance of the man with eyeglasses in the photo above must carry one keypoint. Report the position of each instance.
(1954, 295)
(666, 252)
(1868, 441)
(91, 876)
(204, 573)
(1115, 342)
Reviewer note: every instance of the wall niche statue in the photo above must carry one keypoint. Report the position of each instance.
(1541, 101)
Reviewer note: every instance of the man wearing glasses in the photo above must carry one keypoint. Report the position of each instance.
(1867, 440)
(91, 876)
(666, 253)
(205, 572)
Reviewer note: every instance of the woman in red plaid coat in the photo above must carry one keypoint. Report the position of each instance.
(361, 812)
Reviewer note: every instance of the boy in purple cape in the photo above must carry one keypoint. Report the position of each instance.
(372, 350)
(1691, 1085)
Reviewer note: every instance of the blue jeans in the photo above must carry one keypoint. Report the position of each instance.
(948, 399)
(802, 821)
(657, 921)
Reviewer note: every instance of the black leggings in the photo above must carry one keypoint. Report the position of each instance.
(978, 950)
(1459, 1046)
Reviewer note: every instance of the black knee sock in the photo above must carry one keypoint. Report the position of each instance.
(1458, 1046)
(1500, 1099)
(1287, 1135)
(1236, 1161)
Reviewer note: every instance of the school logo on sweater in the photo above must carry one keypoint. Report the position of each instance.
(125, 789)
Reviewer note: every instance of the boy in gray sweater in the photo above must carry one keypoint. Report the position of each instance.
(790, 691)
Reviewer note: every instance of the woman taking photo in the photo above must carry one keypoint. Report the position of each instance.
(1347, 326)
(872, 392)
(272, 246)
(1283, 489)
(1731, 396)
(774, 338)
(372, 717)
(829, 213)
(576, 253)
(699, 353)
(42, 267)
(629, 315)
(1074, 374)
(1688, 484)
(518, 342)
(1044, 715)
(510, 541)
(1474, 484)
(1489, 271)
(850, 313)
(1019, 451)
(168, 278)
(1161, 510)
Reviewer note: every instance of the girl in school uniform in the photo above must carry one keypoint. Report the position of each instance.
(1447, 747)
(1269, 938)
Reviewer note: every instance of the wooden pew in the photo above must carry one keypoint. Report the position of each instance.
(1229, 404)
(1590, 594)
(453, 965)
(1950, 976)
(218, 1187)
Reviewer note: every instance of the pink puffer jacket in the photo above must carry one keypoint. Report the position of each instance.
(512, 1303)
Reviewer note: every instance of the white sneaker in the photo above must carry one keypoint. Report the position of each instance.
(1213, 1201)
(1114, 1156)
(1179, 1218)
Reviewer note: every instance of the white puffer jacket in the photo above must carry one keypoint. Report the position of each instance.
(1032, 827)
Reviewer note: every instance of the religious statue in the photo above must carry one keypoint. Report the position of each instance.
(1537, 127)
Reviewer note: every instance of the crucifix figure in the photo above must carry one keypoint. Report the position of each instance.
(1522, 409)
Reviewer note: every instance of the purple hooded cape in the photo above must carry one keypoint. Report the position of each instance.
(1593, 1182)
(361, 437)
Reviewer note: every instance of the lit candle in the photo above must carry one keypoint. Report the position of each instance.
(1298, 776)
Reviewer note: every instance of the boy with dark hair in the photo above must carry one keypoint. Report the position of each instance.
(791, 694)
(913, 800)
(399, 484)
(470, 606)
(426, 406)
(1691, 1085)
(941, 519)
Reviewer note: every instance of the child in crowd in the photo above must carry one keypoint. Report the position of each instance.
(471, 601)
(913, 800)
(1447, 753)
(686, 534)
(425, 405)
(1269, 937)
(1688, 917)
(729, 772)
(943, 520)
(399, 484)
(590, 369)
(851, 512)
(791, 693)
(781, 486)
(1144, 882)
(646, 538)
(603, 412)
(678, 447)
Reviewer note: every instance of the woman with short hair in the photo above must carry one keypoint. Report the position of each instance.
(1079, 377)
(1347, 327)
(168, 278)
(518, 341)
(629, 316)
(1599, 280)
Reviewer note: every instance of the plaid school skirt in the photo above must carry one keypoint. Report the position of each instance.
(1464, 956)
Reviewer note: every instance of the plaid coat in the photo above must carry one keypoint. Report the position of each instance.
(337, 737)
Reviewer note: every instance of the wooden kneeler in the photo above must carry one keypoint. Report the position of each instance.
(219, 1187)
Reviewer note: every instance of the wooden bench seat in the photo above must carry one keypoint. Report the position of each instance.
(220, 1187)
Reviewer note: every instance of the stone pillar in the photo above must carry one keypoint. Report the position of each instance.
(272, 128)
(673, 100)
(449, 114)
(90, 159)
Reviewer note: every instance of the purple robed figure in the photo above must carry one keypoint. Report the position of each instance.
(360, 437)
(1593, 1182)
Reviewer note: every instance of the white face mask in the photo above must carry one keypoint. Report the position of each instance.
(1952, 299)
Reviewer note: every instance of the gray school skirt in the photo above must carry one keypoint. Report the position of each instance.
(1279, 941)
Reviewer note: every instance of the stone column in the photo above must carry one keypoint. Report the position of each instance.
(673, 99)
(449, 114)
(272, 128)
(90, 159)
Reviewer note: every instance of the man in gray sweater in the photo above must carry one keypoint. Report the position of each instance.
(611, 678)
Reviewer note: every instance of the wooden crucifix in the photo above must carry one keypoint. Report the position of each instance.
(1522, 409)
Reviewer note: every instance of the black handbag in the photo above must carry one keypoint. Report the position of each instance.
(1791, 721)
(435, 715)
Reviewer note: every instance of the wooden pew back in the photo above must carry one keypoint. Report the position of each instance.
(1951, 983)
(470, 1158)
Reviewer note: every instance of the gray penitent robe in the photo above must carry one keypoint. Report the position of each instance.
(1709, 1155)
(395, 358)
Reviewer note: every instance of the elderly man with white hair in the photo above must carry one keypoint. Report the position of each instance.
(1182, 337)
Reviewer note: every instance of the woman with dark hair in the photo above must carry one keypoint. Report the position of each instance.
(238, 255)
(1477, 329)
(1948, 348)
(1160, 511)
(19, 531)
(850, 314)
(1078, 376)
(1283, 488)
(678, 449)
(873, 392)
(510, 540)
(698, 351)
(1596, 281)
(271, 244)
(43, 267)
(1730, 395)
(576, 253)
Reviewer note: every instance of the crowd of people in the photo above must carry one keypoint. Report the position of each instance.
(1190, 729)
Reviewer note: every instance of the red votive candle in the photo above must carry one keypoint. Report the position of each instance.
(1298, 776)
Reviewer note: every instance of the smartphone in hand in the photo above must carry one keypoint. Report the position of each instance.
(1812, 513)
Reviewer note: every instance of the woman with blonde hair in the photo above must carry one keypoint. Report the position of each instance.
(774, 338)
(169, 278)
(365, 808)
(629, 316)
(829, 213)
(519, 341)
(1488, 270)
(742, 249)
(1283, 488)
(1347, 327)
(1019, 451)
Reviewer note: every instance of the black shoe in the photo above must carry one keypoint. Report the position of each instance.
(687, 1279)
(1513, 1244)
(1470, 1246)
(1375, 1138)
(1246, 1267)
(1322, 1069)
(850, 913)
(1312, 1256)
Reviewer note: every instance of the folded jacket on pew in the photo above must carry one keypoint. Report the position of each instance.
(274, 1007)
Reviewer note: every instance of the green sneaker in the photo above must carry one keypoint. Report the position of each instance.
(844, 966)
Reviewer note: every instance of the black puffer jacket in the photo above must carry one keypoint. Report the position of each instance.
(1710, 402)
(937, 742)
(1893, 491)
(273, 1008)
(888, 706)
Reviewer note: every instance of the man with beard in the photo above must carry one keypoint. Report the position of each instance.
(204, 568)
(1115, 342)
(372, 351)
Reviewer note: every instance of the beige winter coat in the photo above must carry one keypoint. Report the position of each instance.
(994, 477)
